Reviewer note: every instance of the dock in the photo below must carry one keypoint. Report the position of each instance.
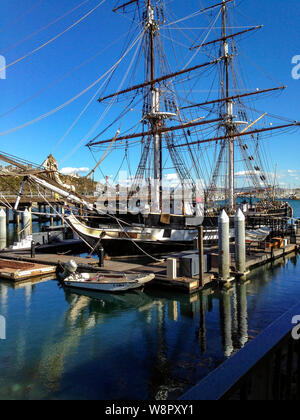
(181, 284)
(50, 259)
(188, 285)
(185, 271)
(259, 257)
(20, 270)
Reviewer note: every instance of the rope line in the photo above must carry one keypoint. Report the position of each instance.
(84, 140)
(52, 39)
(44, 27)
(21, 16)
(64, 76)
(53, 111)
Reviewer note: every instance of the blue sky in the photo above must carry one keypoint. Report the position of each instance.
(272, 50)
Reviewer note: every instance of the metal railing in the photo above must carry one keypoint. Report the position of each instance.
(267, 368)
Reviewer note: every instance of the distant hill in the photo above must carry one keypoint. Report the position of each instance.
(10, 185)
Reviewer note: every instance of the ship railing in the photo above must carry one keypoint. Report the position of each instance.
(267, 368)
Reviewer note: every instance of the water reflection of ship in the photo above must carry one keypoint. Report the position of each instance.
(168, 341)
(232, 310)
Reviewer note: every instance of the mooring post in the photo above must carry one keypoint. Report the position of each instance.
(240, 242)
(30, 215)
(224, 247)
(100, 253)
(3, 225)
(33, 247)
(26, 222)
(201, 256)
(172, 268)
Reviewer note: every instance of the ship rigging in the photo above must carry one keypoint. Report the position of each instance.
(212, 138)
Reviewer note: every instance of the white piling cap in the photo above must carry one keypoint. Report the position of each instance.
(240, 217)
(224, 217)
(26, 211)
(2, 213)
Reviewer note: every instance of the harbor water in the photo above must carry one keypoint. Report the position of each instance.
(142, 345)
(296, 206)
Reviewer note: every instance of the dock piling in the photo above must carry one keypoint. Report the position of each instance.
(171, 268)
(224, 248)
(3, 228)
(240, 243)
(27, 222)
(2, 223)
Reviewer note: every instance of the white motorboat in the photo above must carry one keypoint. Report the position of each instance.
(102, 282)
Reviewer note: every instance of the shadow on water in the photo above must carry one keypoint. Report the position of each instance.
(140, 345)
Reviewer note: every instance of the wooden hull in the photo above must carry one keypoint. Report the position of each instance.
(130, 233)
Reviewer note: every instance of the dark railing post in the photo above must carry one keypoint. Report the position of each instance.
(33, 247)
(100, 253)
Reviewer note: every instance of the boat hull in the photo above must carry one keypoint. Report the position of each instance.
(151, 237)
(108, 284)
(111, 288)
(127, 239)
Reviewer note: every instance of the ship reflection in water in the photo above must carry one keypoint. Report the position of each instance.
(140, 345)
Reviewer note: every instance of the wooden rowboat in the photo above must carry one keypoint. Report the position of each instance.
(107, 283)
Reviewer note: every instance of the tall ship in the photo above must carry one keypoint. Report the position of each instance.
(180, 121)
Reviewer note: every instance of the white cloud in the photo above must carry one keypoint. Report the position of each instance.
(171, 177)
(246, 173)
(72, 171)
(242, 174)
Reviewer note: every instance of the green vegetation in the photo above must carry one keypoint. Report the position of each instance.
(10, 184)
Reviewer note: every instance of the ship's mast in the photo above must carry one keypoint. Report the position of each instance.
(155, 112)
(228, 121)
(154, 120)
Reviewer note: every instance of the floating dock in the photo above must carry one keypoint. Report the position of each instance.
(18, 266)
(49, 259)
(19, 270)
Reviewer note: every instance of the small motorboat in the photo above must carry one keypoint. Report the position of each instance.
(102, 282)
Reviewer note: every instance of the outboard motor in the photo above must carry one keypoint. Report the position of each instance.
(69, 269)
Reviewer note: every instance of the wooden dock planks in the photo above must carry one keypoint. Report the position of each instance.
(187, 285)
(48, 259)
(18, 270)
